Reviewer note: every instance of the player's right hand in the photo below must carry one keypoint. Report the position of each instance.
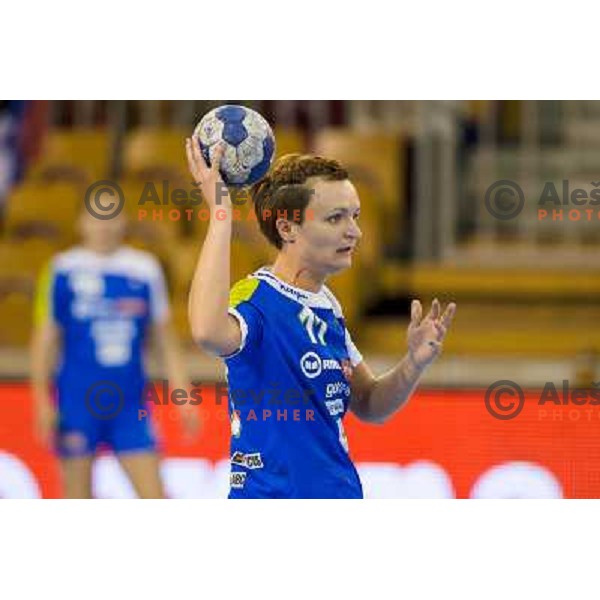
(208, 178)
(45, 421)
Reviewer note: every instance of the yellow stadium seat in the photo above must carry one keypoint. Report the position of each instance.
(68, 152)
(183, 256)
(20, 265)
(16, 314)
(245, 258)
(46, 210)
(25, 259)
(152, 226)
(374, 160)
(429, 280)
(161, 150)
(155, 151)
(501, 312)
(288, 141)
(514, 331)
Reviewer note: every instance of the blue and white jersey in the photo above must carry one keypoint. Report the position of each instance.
(103, 305)
(289, 389)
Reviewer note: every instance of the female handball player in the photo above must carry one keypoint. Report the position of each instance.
(292, 368)
(97, 304)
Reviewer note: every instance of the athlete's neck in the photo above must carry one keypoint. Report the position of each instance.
(100, 249)
(296, 275)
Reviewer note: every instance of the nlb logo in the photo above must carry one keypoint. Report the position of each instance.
(313, 365)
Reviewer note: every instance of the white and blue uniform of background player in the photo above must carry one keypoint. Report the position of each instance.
(103, 306)
(288, 393)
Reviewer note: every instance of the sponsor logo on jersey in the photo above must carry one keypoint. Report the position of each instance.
(335, 407)
(237, 479)
(294, 292)
(313, 365)
(254, 461)
(238, 458)
(250, 461)
(339, 388)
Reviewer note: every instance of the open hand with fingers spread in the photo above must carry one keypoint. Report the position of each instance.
(426, 335)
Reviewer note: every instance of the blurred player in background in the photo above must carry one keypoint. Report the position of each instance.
(283, 329)
(96, 306)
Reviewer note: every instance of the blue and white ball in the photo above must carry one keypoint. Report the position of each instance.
(249, 143)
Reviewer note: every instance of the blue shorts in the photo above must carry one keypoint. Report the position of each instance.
(119, 422)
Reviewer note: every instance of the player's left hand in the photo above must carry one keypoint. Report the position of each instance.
(426, 335)
(190, 422)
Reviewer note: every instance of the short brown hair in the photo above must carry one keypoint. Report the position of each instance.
(283, 189)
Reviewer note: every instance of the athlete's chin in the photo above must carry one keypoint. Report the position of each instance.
(341, 264)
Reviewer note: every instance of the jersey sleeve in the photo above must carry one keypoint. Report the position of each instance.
(159, 297)
(353, 353)
(248, 317)
(47, 305)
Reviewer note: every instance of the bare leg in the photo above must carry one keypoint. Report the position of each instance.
(143, 471)
(77, 477)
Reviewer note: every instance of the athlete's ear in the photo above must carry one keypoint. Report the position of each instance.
(286, 230)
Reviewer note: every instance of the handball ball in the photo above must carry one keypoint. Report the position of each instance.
(249, 143)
